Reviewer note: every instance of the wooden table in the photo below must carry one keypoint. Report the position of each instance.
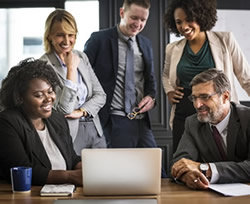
(170, 193)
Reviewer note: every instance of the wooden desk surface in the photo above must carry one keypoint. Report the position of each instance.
(170, 193)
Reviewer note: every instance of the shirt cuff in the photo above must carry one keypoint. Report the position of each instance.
(215, 175)
(71, 84)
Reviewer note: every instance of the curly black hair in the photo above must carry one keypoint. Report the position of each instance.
(203, 12)
(15, 85)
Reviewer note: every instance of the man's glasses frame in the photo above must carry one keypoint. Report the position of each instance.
(203, 97)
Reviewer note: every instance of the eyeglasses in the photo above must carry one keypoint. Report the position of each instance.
(134, 113)
(203, 97)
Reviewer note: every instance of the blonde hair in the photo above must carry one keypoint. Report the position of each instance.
(68, 24)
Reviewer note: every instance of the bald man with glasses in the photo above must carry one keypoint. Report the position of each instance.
(215, 146)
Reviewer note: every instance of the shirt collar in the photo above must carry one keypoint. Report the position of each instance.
(59, 59)
(122, 36)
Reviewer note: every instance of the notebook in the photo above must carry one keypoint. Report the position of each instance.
(57, 190)
(132, 171)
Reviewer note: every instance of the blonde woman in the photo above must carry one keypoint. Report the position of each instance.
(82, 96)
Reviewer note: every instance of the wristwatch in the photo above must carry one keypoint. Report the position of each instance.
(203, 168)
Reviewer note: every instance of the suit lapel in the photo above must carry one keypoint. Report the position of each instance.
(84, 74)
(114, 49)
(175, 59)
(217, 51)
(37, 147)
(142, 47)
(232, 133)
(57, 66)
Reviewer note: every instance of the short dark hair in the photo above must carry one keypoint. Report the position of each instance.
(15, 85)
(143, 3)
(220, 81)
(203, 12)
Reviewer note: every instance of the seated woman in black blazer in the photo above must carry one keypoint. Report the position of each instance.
(31, 133)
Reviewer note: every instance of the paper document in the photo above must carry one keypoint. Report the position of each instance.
(232, 189)
(57, 190)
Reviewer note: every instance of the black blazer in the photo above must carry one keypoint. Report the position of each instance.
(102, 51)
(197, 144)
(20, 144)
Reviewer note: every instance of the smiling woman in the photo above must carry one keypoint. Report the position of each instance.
(81, 96)
(31, 133)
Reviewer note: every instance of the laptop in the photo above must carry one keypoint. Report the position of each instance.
(125, 171)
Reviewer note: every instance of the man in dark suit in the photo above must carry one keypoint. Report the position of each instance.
(107, 52)
(215, 146)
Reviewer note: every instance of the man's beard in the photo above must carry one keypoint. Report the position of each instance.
(211, 116)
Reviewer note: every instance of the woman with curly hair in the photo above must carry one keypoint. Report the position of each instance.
(199, 50)
(31, 133)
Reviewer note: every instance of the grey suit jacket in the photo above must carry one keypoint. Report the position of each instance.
(67, 99)
(197, 144)
(227, 56)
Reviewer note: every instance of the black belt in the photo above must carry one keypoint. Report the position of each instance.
(86, 119)
(122, 113)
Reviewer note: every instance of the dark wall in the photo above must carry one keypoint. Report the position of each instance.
(233, 4)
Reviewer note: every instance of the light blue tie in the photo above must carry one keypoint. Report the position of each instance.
(130, 96)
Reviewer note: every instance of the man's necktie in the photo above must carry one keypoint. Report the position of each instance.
(219, 142)
(130, 97)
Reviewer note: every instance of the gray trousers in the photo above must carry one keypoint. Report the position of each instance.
(87, 137)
